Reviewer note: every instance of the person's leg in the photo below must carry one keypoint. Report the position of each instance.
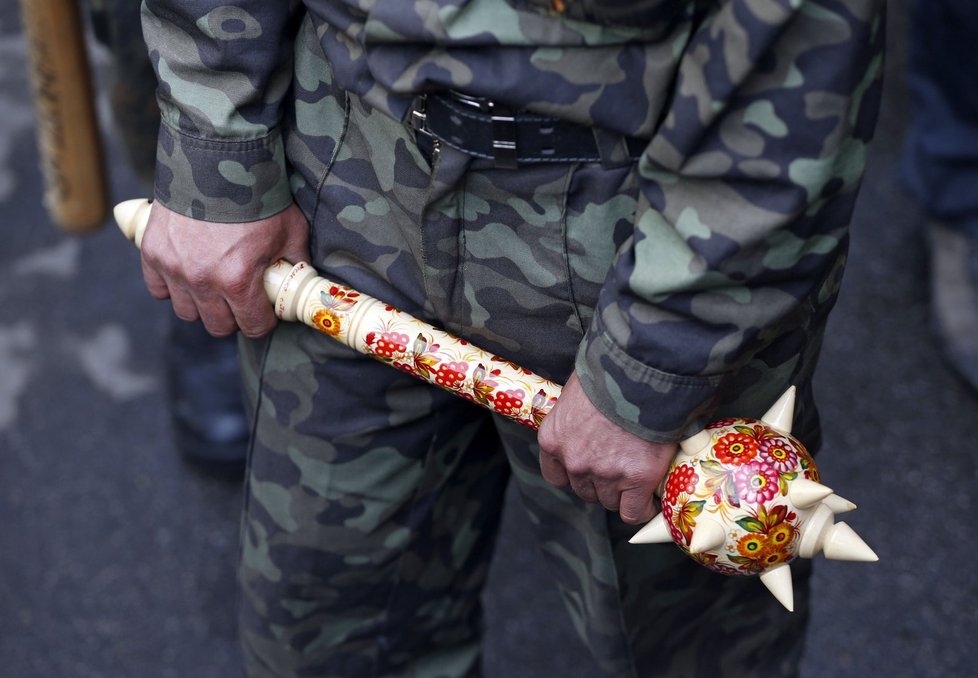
(523, 257)
(940, 165)
(373, 499)
(940, 162)
(372, 506)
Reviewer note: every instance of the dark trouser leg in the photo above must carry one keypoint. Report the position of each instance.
(940, 165)
(372, 506)
(512, 261)
(941, 154)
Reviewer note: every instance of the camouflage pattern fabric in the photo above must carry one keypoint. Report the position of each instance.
(696, 282)
(374, 499)
(757, 112)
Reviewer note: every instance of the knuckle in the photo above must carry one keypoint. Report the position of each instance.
(577, 467)
(236, 281)
(198, 278)
(547, 439)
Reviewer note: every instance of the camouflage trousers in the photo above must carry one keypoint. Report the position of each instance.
(373, 500)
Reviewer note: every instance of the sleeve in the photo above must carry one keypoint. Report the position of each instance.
(747, 189)
(224, 70)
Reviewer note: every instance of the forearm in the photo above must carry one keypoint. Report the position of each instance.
(747, 191)
(224, 72)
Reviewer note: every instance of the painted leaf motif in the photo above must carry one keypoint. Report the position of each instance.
(746, 430)
(712, 468)
(684, 518)
(783, 480)
(425, 365)
(747, 564)
(773, 517)
(752, 524)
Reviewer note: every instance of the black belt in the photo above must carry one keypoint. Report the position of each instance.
(486, 129)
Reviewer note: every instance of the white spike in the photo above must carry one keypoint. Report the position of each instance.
(696, 443)
(838, 504)
(782, 413)
(842, 543)
(813, 531)
(653, 532)
(708, 535)
(778, 582)
(132, 217)
(805, 493)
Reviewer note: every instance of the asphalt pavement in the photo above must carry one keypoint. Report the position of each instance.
(117, 559)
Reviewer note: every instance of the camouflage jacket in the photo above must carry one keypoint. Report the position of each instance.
(757, 113)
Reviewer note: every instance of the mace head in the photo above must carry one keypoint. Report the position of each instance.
(744, 497)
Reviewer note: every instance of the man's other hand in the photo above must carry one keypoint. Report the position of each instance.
(212, 272)
(601, 461)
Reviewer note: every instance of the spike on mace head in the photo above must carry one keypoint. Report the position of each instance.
(744, 496)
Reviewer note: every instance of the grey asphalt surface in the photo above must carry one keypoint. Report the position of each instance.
(116, 558)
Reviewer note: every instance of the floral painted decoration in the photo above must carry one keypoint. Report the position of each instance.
(417, 348)
(741, 480)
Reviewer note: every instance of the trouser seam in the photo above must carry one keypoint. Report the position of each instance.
(340, 140)
(246, 499)
(566, 250)
(399, 578)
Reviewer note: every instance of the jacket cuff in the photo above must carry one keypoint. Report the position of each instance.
(654, 405)
(220, 180)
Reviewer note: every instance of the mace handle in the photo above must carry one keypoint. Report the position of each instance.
(389, 335)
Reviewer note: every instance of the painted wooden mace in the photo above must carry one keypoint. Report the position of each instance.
(742, 496)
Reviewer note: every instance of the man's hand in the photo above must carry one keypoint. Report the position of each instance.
(601, 461)
(213, 271)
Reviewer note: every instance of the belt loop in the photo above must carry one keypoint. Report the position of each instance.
(612, 148)
(503, 136)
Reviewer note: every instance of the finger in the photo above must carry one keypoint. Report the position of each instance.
(154, 281)
(214, 312)
(183, 304)
(218, 319)
(243, 291)
(553, 471)
(608, 496)
(252, 312)
(636, 506)
(584, 489)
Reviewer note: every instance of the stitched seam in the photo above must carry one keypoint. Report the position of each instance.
(487, 117)
(519, 158)
(244, 145)
(399, 576)
(463, 251)
(566, 252)
(341, 139)
(647, 374)
(433, 167)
